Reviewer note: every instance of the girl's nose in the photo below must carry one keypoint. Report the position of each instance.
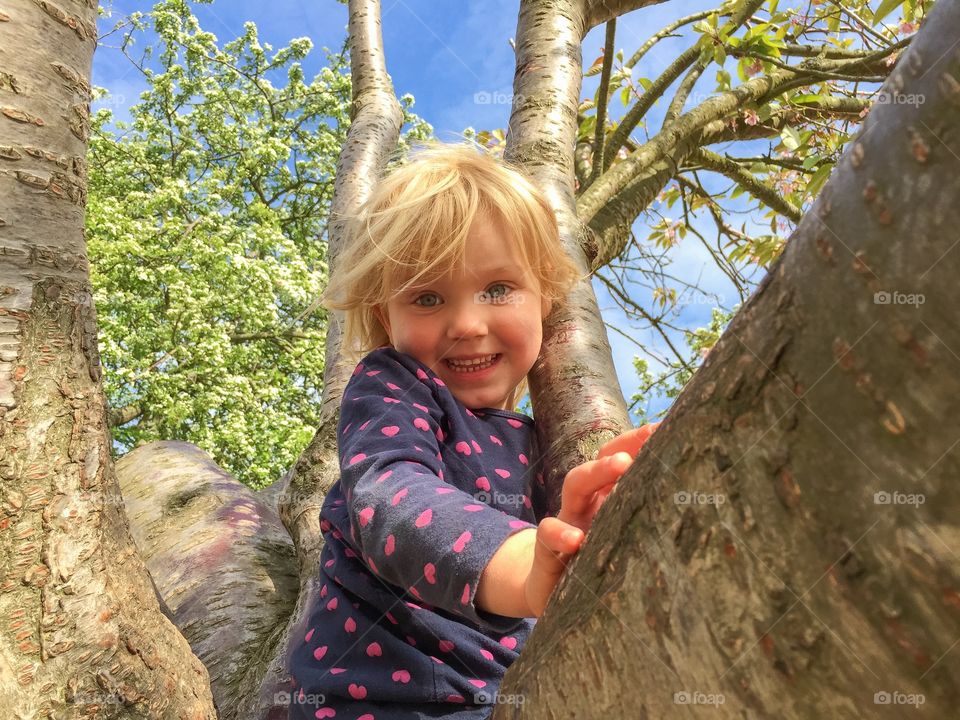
(467, 319)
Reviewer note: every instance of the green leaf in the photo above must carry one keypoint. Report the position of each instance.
(790, 137)
(819, 178)
(813, 98)
(585, 131)
(886, 7)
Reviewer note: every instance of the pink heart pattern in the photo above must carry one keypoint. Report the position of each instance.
(412, 461)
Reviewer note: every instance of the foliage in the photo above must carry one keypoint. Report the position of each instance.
(774, 155)
(669, 382)
(206, 223)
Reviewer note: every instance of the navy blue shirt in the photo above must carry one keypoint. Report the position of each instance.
(428, 491)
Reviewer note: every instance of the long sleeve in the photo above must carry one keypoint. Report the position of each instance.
(406, 482)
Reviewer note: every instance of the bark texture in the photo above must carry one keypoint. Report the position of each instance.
(787, 542)
(219, 556)
(573, 422)
(374, 130)
(83, 632)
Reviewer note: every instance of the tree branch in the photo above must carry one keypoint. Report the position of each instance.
(650, 180)
(614, 199)
(659, 86)
(628, 302)
(747, 180)
(376, 119)
(597, 12)
(666, 32)
(121, 416)
(601, 117)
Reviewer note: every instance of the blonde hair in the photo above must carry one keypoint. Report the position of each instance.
(414, 226)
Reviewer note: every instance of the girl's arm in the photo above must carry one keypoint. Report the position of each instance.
(409, 525)
(522, 574)
(526, 568)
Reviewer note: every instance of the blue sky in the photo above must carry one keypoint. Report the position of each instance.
(456, 60)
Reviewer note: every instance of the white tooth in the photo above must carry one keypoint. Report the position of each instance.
(470, 363)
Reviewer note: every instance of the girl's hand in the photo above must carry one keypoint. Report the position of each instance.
(555, 544)
(584, 490)
(586, 487)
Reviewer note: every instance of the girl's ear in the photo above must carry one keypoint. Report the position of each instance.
(546, 304)
(382, 317)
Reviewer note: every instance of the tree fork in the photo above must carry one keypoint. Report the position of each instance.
(84, 631)
(706, 602)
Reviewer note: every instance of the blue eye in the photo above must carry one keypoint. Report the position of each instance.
(506, 289)
(426, 295)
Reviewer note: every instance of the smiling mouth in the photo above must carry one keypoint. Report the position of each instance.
(461, 366)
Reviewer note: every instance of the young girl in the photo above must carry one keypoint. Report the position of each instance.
(436, 560)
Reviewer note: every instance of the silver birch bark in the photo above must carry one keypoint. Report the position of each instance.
(83, 632)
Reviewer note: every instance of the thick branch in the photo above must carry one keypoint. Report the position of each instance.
(597, 12)
(374, 131)
(204, 535)
(799, 418)
(747, 180)
(599, 147)
(121, 416)
(648, 182)
(596, 206)
(542, 133)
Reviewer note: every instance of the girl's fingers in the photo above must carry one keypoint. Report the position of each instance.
(591, 476)
(629, 442)
(582, 485)
(556, 541)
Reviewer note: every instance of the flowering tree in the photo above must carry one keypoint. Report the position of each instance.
(806, 427)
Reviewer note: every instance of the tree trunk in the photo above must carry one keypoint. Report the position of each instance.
(787, 544)
(219, 556)
(794, 396)
(84, 632)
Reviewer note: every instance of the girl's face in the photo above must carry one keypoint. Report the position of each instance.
(493, 311)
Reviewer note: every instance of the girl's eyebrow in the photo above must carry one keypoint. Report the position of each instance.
(499, 270)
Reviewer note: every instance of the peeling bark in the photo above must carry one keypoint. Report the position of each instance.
(220, 559)
(571, 425)
(84, 632)
(788, 539)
